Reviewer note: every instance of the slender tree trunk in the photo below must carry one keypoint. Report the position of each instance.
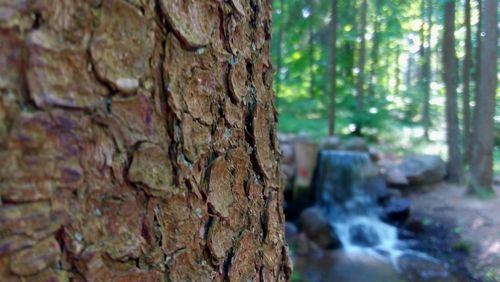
(482, 139)
(310, 30)
(360, 79)
(426, 71)
(279, 51)
(466, 83)
(374, 51)
(124, 155)
(478, 50)
(455, 164)
(398, 71)
(333, 69)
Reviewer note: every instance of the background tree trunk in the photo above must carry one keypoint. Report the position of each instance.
(125, 143)
(360, 78)
(426, 69)
(466, 83)
(375, 50)
(482, 140)
(455, 168)
(333, 70)
(310, 30)
(279, 63)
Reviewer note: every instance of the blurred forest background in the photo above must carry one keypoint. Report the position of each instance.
(389, 83)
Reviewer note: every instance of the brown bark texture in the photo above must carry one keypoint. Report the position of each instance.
(138, 143)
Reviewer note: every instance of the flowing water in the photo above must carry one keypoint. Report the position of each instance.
(371, 247)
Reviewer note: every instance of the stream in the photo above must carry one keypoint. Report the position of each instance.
(346, 192)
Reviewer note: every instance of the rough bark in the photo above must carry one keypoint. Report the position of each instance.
(333, 69)
(467, 65)
(455, 168)
(482, 139)
(137, 142)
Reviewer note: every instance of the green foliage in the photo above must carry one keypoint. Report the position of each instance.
(393, 115)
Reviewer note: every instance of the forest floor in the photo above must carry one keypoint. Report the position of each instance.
(475, 222)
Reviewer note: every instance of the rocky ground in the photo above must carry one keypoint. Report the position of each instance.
(460, 223)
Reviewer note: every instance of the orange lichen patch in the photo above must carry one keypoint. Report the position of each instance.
(62, 78)
(33, 260)
(193, 21)
(151, 169)
(220, 197)
(122, 46)
(196, 138)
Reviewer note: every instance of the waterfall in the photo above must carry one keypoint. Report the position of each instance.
(341, 185)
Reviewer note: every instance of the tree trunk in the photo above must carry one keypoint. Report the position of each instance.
(333, 70)
(466, 83)
(455, 168)
(310, 30)
(374, 51)
(479, 29)
(360, 79)
(125, 143)
(279, 60)
(398, 71)
(426, 71)
(482, 139)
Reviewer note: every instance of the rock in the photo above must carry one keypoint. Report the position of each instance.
(374, 154)
(420, 267)
(423, 169)
(288, 170)
(291, 231)
(397, 209)
(356, 144)
(287, 156)
(317, 227)
(330, 143)
(415, 225)
(305, 158)
(363, 235)
(395, 176)
(376, 187)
